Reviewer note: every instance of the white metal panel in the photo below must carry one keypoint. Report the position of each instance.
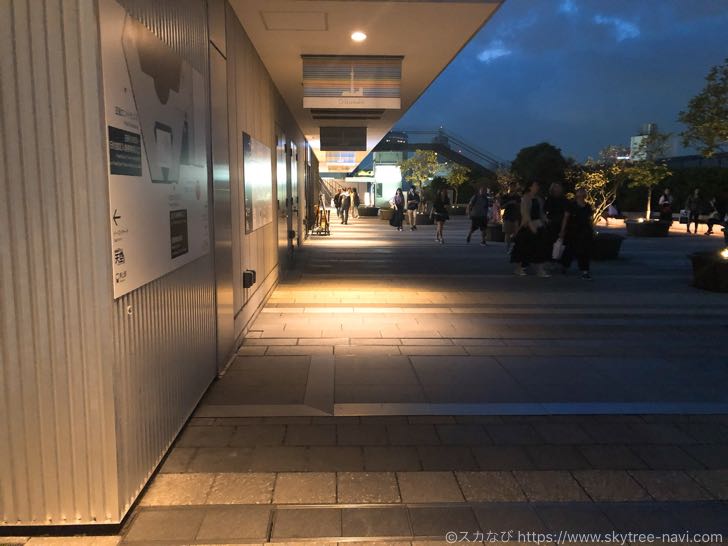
(57, 438)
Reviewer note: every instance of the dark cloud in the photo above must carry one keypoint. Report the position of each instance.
(579, 73)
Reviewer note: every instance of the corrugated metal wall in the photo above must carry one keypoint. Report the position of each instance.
(164, 332)
(57, 437)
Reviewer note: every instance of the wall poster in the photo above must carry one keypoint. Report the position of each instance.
(156, 105)
(258, 181)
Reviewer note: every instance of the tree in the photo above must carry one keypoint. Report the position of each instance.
(507, 181)
(542, 163)
(648, 171)
(420, 168)
(459, 174)
(601, 178)
(707, 115)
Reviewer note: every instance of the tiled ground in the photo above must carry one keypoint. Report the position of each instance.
(394, 390)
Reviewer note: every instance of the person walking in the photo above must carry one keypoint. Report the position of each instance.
(337, 202)
(440, 214)
(398, 204)
(511, 218)
(345, 206)
(577, 232)
(478, 211)
(555, 208)
(694, 205)
(665, 204)
(531, 242)
(355, 202)
(413, 203)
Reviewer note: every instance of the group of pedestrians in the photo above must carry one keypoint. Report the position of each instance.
(714, 210)
(345, 200)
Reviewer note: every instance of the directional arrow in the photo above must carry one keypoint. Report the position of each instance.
(116, 217)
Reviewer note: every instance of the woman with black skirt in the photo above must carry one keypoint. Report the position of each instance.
(398, 203)
(531, 242)
(577, 232)
(440, 214)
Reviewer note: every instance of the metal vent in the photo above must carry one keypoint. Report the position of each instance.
(336, 113)
(338, 139)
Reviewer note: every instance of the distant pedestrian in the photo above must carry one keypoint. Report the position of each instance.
(413, 203)
(555, 208)
(337, 202)
(511, 217)
(355, 202)
(665, 204)
(345, 206)
(478, 211)
(531, 242)
(713, 216)
(694, 205)
(440, 214)
(577, 232)
(398, 204)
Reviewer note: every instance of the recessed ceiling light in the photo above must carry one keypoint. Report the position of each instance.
(358, 36)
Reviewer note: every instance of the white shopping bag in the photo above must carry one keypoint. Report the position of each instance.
(558, 249)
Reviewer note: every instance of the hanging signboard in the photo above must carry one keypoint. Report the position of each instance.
(333, 81)
(155, 104)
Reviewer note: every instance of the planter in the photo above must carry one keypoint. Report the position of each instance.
(647, 228)
(456, 210)
(494, 232)
(606, 246)
(368, 211)
(386, 214)
(423, 219)
(710, 271)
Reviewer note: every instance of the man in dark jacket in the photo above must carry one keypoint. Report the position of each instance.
(478, 212)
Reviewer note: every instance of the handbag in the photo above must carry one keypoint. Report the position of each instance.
(684, 216)
(557, 250)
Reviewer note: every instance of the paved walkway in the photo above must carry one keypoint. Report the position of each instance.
(394, 390)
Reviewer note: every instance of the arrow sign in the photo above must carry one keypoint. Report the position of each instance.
(116, 217)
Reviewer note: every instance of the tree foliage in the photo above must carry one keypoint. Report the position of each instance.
(649, 171)
(706, 117)
(507, 181)
(459, 174)
(420, 168)
(542, 163)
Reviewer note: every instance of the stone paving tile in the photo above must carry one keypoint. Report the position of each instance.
(666, 457)
(493, 486)
(419, 487)
(709, 433)
(612, 457)
(610, 485)
(435, 522)
(177, 460)
(383, 420)
(660, 433)
(712, 456)
(502, 458)
(306, 350)
(221, 459)
(433, 350)
(388, 458)
(252, 350)
(205, 436)
(670, 485)
(62, 541)
(513, 434)
(376, 522)
(335, 458)
(506, 517)
(279, 459)
(305, 488)
(572, 517)
(178, 524)
(310, 435)
(462, 434)
(562, 433)
(478, 419)
(367, 487)
(446, 458)
(247, 488)
(412, 435)
(366, 350)
(701, 517)
(611, 433)
(715, 481)
(640, 517)
(550, 485)
(306, 523)
(361, 435)
(178, 489)
(431, 420)
(235, 522)
(557, 457)
(258, 435)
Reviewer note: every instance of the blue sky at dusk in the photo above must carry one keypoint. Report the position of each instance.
(580, 74)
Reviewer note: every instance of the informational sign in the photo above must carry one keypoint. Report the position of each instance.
(155, 104)
(332, 81)
(258, 181)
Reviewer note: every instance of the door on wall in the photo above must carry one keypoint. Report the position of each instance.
(283, 182)
(293, 205)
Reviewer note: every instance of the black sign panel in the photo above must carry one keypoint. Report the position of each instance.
(178, 232)
(125, 152)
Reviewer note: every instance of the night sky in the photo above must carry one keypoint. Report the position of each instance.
(580, 74)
